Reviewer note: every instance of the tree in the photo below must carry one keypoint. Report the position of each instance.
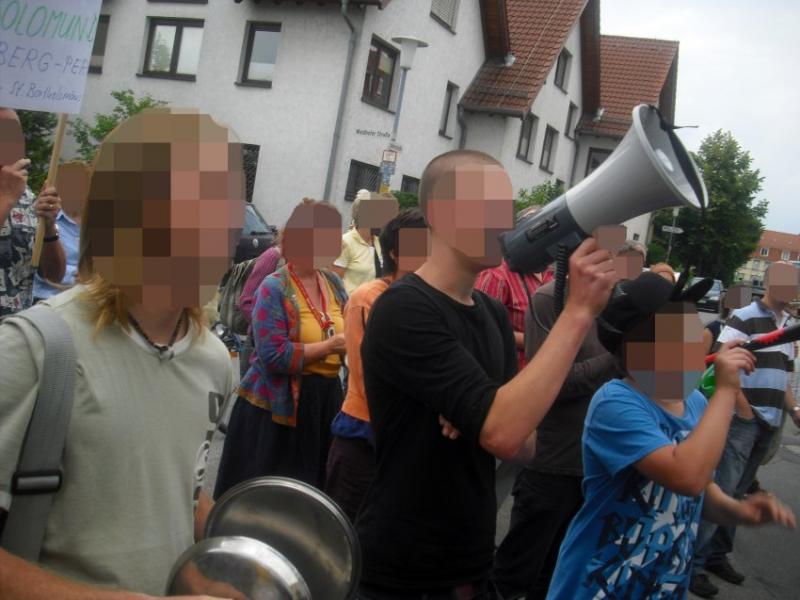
(733, 219)
(406, 199)
(37, 128)
(88, 137)
(537, 196)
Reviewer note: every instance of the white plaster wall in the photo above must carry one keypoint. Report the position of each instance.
(449, 57)
(499, 136)
(293, 121)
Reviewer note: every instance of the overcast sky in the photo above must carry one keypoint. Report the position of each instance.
(737, 71)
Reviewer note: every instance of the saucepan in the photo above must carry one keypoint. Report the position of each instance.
(236, 567)
(300, 523)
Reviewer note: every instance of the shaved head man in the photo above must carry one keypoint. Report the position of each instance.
(439, 369)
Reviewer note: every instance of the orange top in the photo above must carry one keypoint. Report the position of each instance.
(356, 312)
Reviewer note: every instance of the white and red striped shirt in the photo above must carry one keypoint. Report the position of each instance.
(507, 286)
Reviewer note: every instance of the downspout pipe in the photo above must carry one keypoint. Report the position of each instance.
(576, 142)
(462, 124)
(348, 71)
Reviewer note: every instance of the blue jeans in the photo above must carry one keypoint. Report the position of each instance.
(747, 444)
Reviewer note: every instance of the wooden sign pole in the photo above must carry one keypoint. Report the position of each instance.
(52, 172)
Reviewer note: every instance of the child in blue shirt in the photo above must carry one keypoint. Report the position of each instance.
(650, 445)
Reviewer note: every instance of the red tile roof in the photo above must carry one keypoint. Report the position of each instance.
(632, 71)
(779, 240)
(538, 30)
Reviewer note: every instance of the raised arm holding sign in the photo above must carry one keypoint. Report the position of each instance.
(45, 47)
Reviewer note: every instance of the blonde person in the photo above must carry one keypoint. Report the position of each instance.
(665, 271)
(360, 260)
(281, 422)
(149, 379)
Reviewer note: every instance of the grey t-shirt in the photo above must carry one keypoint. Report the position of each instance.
(134, 446)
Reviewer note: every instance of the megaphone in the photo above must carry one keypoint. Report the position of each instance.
(649, 170)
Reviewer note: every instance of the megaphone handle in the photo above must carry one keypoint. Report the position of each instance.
(562, 266)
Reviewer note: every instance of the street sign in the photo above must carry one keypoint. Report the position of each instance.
(670, 229)
(389, 156)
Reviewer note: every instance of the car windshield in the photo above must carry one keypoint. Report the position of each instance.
(253, 223)
(716, 288)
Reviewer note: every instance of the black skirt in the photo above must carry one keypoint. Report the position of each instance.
(256, 446)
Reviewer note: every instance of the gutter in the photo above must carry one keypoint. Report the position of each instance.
(348, 71)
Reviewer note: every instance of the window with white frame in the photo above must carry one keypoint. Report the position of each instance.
(448, 110)
(445, 12)
(785, 255)
(764, 251)
(549, 149)
(562, 69)
(527, 135)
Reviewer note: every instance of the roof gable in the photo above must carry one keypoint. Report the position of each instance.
(634, 71)
(537, 32)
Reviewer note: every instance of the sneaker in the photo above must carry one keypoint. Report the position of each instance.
(701, 586)
(724, 570)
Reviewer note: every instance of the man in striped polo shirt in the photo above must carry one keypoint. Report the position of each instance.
(766, 393)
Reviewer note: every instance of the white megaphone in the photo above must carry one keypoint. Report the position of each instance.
(649, 170)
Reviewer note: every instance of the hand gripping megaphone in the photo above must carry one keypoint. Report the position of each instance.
(649, 170)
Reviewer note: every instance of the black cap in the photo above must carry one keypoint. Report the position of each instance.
(635, 300)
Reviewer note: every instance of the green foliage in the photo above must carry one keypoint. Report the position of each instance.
(406, 199)
(734, 217)
(656, 252)
(537, 196)
(88, 137)
(38, 128)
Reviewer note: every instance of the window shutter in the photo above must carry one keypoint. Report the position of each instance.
(445, 10)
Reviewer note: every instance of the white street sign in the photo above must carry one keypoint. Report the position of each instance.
(671, 229)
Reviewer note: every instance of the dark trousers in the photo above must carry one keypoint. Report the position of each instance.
(747, 444)
(544, 505)
(350, 471)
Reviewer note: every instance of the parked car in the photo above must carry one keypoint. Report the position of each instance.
(257, 235)
(710, 302)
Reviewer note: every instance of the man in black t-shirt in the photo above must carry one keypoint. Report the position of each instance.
(434, 346)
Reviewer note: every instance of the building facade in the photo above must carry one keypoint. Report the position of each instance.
(311, 88)
(772, 247)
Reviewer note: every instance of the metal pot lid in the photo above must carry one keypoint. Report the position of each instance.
(301, 523)
(236, 567)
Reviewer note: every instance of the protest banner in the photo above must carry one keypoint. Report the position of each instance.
(45, 48)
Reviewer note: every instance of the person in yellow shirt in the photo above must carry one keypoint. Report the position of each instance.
(361, 260)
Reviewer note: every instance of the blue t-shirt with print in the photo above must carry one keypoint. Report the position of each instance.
(632, 538)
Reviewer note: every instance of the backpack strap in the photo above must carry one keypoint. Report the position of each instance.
(39, 476)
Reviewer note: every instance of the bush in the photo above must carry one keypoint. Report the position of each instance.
(88, 137)
(537, 196)
(38, 128)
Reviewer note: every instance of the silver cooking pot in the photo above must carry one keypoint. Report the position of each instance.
(302, 524)
(236, 567)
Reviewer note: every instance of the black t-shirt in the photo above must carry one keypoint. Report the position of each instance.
(428, 520)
